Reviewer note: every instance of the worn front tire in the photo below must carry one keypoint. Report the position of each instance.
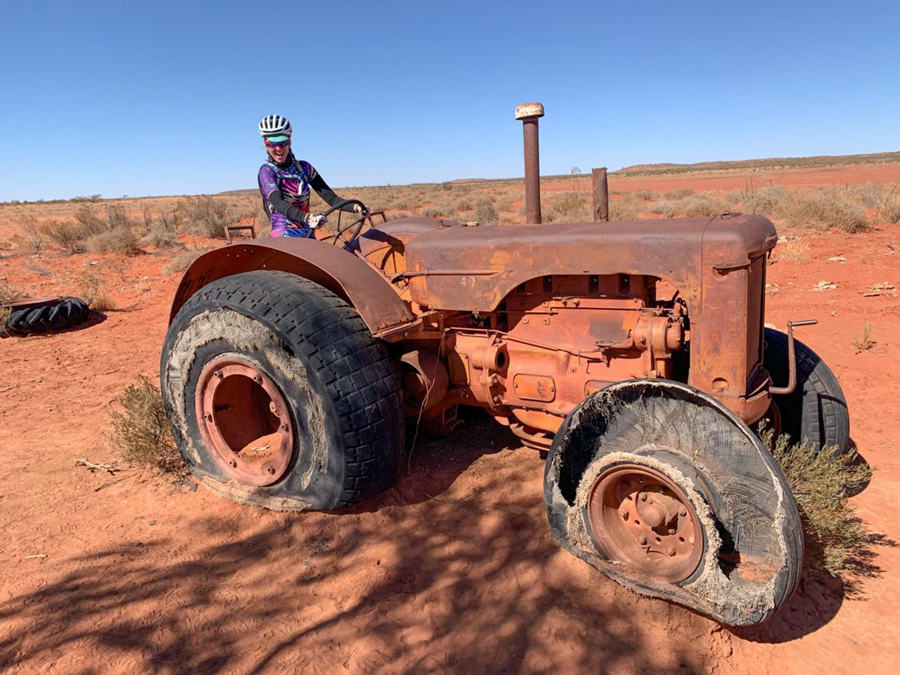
(278, 394)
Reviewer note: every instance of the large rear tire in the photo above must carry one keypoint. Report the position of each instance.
(664, 490)
(278, 394)
(64, 313)
(816, 411)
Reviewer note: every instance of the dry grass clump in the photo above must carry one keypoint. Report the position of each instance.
(183, 260)
(7, 294)
(795, 249)
(162, 230)
(207, 216)
(836, 540)
(118, 240)
(68, 236)
(141, 430)
(862, 341)
(568, 207)
(690, 205)
(884, 198)
(31, 240)
(94, 294)
(485, 213)
(829, 207)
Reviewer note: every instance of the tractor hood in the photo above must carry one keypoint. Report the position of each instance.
(474, 268)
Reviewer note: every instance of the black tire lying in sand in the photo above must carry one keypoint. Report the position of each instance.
(65, 313)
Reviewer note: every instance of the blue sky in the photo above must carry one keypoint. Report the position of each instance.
(149, 98)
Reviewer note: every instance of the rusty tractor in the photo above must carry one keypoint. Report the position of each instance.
(634, 353)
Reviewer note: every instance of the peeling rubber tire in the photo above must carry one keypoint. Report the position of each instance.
(753, 538)
(66, 313)
(816, 411)
(340, 386)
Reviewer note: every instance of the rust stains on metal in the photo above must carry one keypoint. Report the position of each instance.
(601, 194)
(343, 273)
(530, 113)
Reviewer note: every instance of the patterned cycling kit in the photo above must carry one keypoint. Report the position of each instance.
(285, 189)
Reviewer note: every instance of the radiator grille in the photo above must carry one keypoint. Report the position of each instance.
(756, 301)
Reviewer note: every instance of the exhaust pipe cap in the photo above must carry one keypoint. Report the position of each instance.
(527, 110)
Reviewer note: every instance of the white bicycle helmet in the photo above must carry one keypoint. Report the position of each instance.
(273, 126)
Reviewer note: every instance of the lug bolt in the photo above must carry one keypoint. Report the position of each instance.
(691, 539)
(271, 470)
(682, 511)
(671, 531)
(525, 320)
(284, 427)
(218, 374)
(547, 321)
(670, 551)
(495, 380)
(208, 417)
(496, 400)
(257, 379)
(643, 496)
(233, 464)
(642, 540)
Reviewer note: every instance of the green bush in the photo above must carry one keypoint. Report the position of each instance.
(141, 430)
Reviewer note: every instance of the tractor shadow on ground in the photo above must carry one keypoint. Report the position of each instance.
(432, 587)
(432, 464)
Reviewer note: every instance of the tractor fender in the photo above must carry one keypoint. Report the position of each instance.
(341, 272)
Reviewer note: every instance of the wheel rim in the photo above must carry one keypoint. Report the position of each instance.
(638, 516)
(244, 421)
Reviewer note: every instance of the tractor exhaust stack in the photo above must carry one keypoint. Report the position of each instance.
(530, 113)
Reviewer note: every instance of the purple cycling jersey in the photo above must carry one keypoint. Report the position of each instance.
(293, 183)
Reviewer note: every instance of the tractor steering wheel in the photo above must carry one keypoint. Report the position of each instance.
(356, 225)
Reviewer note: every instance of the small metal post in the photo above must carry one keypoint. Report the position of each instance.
(601, 194)
(530, 113)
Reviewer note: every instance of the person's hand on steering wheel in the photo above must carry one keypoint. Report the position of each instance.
(315, 220)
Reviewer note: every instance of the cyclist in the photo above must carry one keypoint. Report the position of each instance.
(284, 183)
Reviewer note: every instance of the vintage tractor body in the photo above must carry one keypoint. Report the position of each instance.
(635, 352)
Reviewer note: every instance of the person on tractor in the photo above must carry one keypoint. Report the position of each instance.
(285, 182)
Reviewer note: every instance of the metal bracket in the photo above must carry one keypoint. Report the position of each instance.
(792, 360)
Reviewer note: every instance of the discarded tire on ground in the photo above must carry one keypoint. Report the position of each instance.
(279, 395)
(664, 490)
(65, 312)
(816, 411)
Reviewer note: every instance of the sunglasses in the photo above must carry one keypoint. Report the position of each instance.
(277, 144)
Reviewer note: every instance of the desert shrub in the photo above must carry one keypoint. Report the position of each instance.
(89, 223)
(94, 294)
(68, 236)
(162, 231)
(644, 194)
(680, 193)
(432, 212)
(835, 539)
(890, 212)
(118, 240)
(8, 293)
(206, 216)
(569, 207)
(183, 260)
(767, 202)
(795, 249)
(827, 207)
(625, 209)
(461, 204)
(141, 431)
(31, 240)
(862, 341)
(485, 213)
(692, 205)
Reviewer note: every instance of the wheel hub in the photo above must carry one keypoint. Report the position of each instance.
(245, 421)
(640, 517)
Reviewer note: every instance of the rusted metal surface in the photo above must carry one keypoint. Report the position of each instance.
(601, 194)
(642, 519)
(341, 272)
(229, 229)
(530, 113)
(792, 360)
(32, 302)
(244, 421)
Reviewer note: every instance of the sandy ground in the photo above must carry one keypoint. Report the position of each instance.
(453, 570)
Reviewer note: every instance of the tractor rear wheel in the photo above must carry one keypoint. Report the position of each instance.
(663, 489)
(279, 396)
(816, 411)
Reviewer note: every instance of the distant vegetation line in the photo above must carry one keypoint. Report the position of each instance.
(677, 169)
